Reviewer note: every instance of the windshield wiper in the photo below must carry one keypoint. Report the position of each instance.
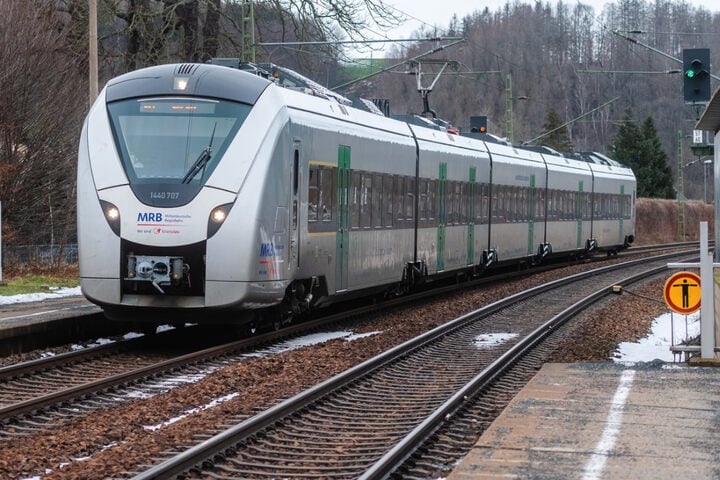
(201, 161)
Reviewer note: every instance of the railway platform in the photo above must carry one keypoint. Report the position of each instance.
(28, 325)
(605, 421)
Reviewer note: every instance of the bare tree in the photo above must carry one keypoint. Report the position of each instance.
(40, 114)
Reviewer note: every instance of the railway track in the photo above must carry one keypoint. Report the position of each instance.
(133, 364)
(38, 406)
(392, 415)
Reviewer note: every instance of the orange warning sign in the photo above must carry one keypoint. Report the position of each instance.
(682, 292)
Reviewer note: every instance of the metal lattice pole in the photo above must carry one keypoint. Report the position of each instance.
(248, 32)
(681, 190)
(508, 110)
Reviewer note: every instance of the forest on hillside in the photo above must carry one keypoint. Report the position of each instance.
(520, 62)
(566, 57)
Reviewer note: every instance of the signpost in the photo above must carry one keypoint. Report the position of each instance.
(682, 292)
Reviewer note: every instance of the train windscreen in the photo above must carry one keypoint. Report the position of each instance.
(174, 140)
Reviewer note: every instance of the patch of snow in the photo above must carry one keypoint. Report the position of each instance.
(36, 297)
(490, 340)
(666, 330)
(189, 412)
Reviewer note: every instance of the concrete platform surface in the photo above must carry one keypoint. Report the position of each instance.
(605, 421)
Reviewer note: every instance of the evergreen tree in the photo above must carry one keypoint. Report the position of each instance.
(657, 173)
(558, 138)
(639, 148)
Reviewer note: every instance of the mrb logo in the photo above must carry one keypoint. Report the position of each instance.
(149, 217)
(267, 249)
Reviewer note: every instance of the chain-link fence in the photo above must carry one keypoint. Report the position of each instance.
(38, 255)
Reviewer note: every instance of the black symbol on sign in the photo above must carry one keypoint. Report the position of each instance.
(686, 292)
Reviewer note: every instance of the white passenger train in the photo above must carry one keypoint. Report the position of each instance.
(207, 188)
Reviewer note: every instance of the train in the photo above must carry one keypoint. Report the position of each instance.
(238, 193)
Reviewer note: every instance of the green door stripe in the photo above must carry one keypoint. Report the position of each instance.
(342, 238)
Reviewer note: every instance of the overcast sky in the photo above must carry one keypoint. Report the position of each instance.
(439, 13)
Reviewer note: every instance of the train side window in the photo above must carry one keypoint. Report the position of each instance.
(616, 206)
(431, 203)
(484, 202)
(588, 207)
(627, 203)
(377, 201)
(498, 204)
(313, 194)
(552, 205)
(387, 201)
(365, 199)
(495, 204)
(327, 194)
(410, 198)
(567, 214)
(422, 201)
(399, 193)
(457, 198)
(355, 200)
(540, 204)
(296, 171)
(464, 203)
(451, 204)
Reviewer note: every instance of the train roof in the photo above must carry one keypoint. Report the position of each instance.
(187, 79)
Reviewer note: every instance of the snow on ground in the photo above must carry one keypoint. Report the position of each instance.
(36, 297)
(666, 330)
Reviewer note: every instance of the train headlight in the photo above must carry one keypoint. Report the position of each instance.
(217, 217)
(112, 215)
(180, 83)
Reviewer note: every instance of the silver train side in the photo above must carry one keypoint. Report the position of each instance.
(206, 188)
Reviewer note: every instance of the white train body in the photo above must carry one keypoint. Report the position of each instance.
(206, 187)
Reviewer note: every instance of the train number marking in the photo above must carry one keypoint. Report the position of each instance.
(163, 195)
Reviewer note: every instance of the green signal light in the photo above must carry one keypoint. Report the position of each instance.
(690, 73)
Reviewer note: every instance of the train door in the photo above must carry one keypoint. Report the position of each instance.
(442, 202)
(343, 222)
(294, 231)
(471, 218)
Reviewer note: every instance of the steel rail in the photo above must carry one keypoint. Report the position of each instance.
(395, 457)
(227, 439)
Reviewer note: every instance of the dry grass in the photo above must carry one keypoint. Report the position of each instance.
(657, 220)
